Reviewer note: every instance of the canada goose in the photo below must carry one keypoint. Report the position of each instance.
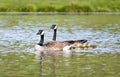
(54, 27)
(52, 45)
(72, 44)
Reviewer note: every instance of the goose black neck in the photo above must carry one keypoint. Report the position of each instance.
(54, 35)
(41, 40)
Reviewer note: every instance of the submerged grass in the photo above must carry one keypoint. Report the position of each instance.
(59, 6)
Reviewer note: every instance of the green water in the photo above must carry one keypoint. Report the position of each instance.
(77, 65)
(18, 37)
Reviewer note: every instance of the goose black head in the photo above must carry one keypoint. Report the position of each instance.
(54, 26)
(40, 32)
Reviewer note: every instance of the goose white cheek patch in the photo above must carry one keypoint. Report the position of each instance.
(42, 33)
(55, 27)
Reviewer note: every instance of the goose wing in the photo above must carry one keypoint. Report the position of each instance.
(75, 41)
(55, 44)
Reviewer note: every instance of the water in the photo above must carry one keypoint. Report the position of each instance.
(18, 37)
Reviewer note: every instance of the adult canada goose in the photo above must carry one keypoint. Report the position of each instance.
(48, 46)
(72, 44)
(54, 27)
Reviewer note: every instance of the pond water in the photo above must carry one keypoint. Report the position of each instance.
(18, 38)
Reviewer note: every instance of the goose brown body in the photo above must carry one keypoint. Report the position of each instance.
(54, 45)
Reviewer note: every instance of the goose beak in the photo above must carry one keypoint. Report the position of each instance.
(51, 27)
(38, 33)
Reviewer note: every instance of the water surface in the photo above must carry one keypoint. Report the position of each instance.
(18, 37)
